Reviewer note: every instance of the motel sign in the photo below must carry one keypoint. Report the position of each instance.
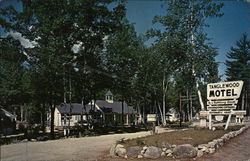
(223, 99)
(224, 90)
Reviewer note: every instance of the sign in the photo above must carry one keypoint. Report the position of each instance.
(222, 99)
(240, 112)
(151, 117)
(203, 113)
(221, 107)
(224, 90)
(222, 102)
(219, 117)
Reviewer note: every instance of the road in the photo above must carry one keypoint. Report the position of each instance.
(237, 149)
(85, 148)
(93, 148)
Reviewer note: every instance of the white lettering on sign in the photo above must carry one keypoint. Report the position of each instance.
(224, 90)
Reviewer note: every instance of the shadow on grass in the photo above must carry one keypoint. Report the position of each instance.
(115, 130)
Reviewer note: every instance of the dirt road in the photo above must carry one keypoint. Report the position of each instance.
(237, 149)
(86, 148)
(91, 148)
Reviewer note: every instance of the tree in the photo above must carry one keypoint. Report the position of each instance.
(123, 48)
(238, 67)
(55, 27)
(13, 84)
(183, 31)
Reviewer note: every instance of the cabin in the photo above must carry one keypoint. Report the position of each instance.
(74, 112)
(7, 122)
(116, 112)
(105, 112)
(172, 115)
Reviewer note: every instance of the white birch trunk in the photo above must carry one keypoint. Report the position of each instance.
(160, 113)
(164, 89)
(196, 80)
(198, 90)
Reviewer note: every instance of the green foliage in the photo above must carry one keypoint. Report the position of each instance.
(184, 49)
(13, 84)
(110, 55)
(238, 68)
(238, 65)
(54, 27)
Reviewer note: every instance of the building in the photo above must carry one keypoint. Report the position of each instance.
(7, 122)
(172, 115)
(74, 111)
(115, 111)
(106, 112)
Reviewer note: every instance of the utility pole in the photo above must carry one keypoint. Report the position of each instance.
(185, 98)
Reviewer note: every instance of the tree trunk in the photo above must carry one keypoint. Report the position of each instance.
(143, 112)
(122, 114)
(243, 100)
(82, 114)
(197, 88)
(164, 88)
(21, 113)
(139, 112)
(52, 133)
(43, 117)
(159, 107)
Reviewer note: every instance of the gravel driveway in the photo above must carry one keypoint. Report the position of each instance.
(86, 148)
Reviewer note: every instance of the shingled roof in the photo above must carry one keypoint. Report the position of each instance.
(76, 108)
(5, 113)
(116, 107)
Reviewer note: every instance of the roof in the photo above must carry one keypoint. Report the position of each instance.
(5, 113)
(116, 106)
(76, 108)
(171, 111)
(109, 93)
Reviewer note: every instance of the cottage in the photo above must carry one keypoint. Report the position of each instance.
(116, 111)
(108, 112)
(7, 122)
(172, 115)
(74, 112)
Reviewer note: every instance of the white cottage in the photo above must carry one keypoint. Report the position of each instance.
(106, 111)
(172, 115)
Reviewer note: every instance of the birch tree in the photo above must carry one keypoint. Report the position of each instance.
(183, 27)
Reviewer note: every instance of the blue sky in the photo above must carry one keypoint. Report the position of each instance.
(224, 31)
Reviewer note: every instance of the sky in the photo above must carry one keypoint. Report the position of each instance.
(224, 31)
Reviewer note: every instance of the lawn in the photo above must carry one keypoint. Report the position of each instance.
(188, 136)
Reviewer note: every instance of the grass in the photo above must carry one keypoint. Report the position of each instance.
(188, 136)
(115, 130)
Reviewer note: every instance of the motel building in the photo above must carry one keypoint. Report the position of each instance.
(104, 112)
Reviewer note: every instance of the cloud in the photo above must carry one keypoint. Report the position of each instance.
(24, 42)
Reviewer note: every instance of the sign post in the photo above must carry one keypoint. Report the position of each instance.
(222, 100)
(152, 118)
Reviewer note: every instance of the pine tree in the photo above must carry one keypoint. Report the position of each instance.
(238, 67)
(12, 71)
